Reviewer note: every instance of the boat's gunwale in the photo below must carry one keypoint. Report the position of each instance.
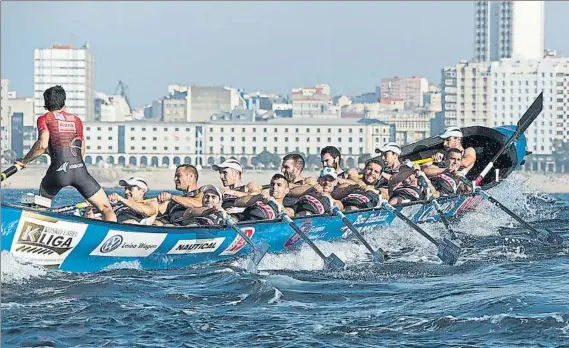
(186, 229)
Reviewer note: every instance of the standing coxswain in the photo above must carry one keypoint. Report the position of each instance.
(60, 135)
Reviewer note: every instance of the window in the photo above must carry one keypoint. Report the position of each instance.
(264, 130)
(210, 138)
(88, 137)
(88, 147)
(329, 140)
(254, 138)
(361, 140)
(89, 128)
(165, 129)
(318, 139)
(211, 149)
(307, 130)
(254, 130)
(110, 138)
(296, 139)
(349, 140)
(264, 138)
(132, 147)
(339, 130)
(98, 147)
(233, 150)
(211, 129)
(131, 138)
(144, 148)
(276, 139)
(165, 148)
(232, 130)
(98, 128)
(317, 130)
(254, 149)
(221, 129)
(232, 139)
(176, 148)
(154, 129)
(144, 130)
(339, 140)
(221, 138)
(286, 130)
(154, 138)
(98, 138)
(153, 147)
(243, 149)
(187, 129)
(286, 139)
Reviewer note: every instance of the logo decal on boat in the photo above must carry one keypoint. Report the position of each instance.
(45, 240)
(195, 246)
(238, 243)
(128, 244)
(305, 227)
(111, 244)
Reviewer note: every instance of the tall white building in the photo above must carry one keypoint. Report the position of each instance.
(73, 69)
(5, 119)
(515, 85)
(505, 29)
(466, 95)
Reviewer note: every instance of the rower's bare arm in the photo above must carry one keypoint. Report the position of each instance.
(289, 211)
(252, 188)
(342, 192)
(246, 201)
(299, 191)
(433, 171)
(188, 202)
(148, 208)
(39, 147)
(384, 193)
(469, 157)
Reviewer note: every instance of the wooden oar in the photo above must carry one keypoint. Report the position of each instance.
(545, 236)
(378, 256)
(332, 261)
(259, 250)
(448, 252)
(530, 115)
(82, 205)
(431, 199)
(9, 172)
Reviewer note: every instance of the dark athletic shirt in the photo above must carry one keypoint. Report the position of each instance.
(67, 167)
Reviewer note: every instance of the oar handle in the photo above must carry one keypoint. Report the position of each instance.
(10, 171)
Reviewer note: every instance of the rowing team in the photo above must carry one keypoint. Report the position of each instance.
(289, 192)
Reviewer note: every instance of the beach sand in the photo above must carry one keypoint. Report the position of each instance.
(163, 179)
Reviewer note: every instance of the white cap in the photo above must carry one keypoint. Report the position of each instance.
(230, 163)
(451, 132)
(135, 181)
(327, 171)
(393, 147)
(206, 188)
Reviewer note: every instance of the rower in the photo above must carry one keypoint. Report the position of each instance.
(390, 153)
(404, 186)
(171, 207)
(134, 209)
(318, 199)
(230, 174)
(448, 182)
(372, 175)
(331, 157)
(211, 211)
(264, 206)
(292, 167)
(61, 137)
(452, 139)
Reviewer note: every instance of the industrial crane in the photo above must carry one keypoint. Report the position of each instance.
(123, 93)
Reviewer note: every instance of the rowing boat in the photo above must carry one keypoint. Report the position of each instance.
(77, 244)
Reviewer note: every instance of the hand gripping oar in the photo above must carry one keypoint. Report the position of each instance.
(332, 261)
(530, 115)
(448, 252)
(10, 171)
(259, 250)
(545, 236)
(378, 256)
(431, 199)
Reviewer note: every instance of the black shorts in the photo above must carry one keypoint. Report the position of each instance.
(55, 179)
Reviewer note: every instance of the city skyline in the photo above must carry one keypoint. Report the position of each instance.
(255, 46)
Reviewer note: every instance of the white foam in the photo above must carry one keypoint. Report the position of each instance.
(276, 297)
(15, 272)
(124, 265)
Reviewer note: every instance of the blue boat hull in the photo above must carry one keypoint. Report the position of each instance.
(77, 244)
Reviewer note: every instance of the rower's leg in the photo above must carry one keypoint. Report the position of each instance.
(100, 201)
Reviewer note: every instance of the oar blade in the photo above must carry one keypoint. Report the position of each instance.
(378, 256)
(546, 236)
(448, 252)
(333, 263)
(530, 115)
(259, 252)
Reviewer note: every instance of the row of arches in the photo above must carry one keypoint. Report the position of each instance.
(166, 161)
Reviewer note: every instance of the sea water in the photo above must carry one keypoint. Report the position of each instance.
(504, 291)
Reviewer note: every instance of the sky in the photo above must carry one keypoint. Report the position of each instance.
(267, 46)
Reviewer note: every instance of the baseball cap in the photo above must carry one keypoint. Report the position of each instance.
(230, 163)
(327, 171)
(451, 132)
(215, 190)
(135, 181)
(393, 147)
